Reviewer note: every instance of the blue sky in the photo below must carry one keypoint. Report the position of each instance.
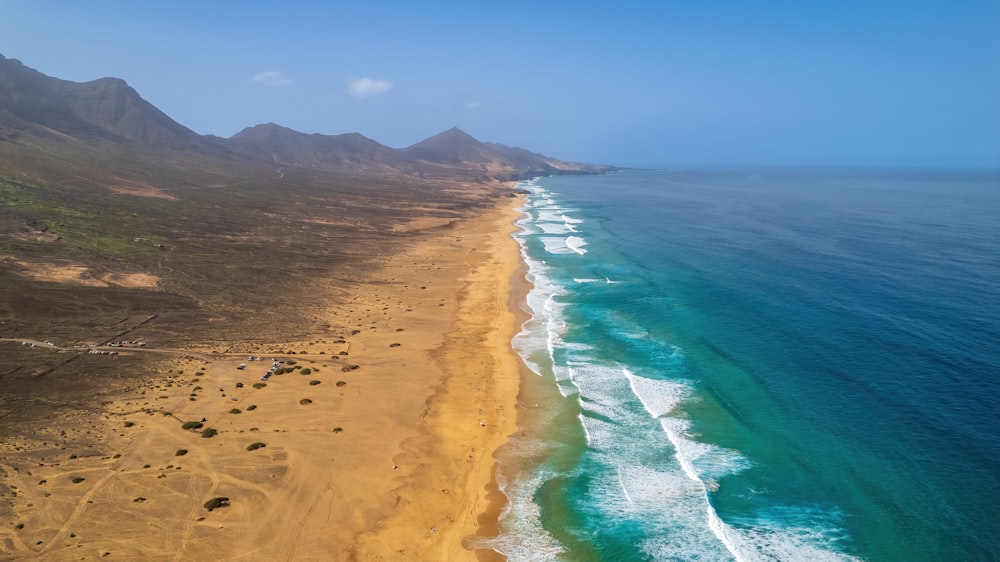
(879, 83)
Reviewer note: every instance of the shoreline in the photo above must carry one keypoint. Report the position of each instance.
(469, 417)
(378, 443)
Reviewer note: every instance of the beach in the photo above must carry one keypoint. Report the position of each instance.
(373, 440)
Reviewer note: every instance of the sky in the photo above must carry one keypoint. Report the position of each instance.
(658, 82)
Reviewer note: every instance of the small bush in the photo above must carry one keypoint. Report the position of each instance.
(181, 452)
(216, 503)
(251, 407)
(210, 432)
(313, 382)
(305, 401)
(78, 479)
(306, 371)
(341, 383)
(290, 362)
(192, 425)
(259, 384)
(139, 499)
(255, 446)
(236, 411)
(129, 424)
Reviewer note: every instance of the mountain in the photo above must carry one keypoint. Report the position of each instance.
(323, 152)
(103, 109)
(107, 118)
(452, 146)
(455, 149)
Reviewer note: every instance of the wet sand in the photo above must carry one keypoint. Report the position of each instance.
(377, 444)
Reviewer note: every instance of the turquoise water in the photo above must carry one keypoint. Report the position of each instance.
(765, 364)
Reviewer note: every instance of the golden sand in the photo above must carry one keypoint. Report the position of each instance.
(378, 445)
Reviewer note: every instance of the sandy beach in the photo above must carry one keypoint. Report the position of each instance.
(374, 440)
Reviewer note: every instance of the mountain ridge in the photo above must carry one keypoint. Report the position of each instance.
(107, 112)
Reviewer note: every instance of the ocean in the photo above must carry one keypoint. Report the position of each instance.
(758, 364)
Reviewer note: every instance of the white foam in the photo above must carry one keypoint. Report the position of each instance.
(768, 541)
(555, 245)
(602, 406)
(554, 216)
(653, 489)
(660, 498)
(555, 228)
(586, 430)
(624, 487)
(523, 537)
(659, 398)
(702, 462)
(576, 244)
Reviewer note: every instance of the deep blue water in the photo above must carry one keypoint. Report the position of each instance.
(766, 364)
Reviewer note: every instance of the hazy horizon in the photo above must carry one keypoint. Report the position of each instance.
(893, 85)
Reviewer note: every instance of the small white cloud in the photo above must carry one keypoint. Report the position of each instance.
(366, 87)
(271, 78)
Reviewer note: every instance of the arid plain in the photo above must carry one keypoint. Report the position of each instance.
(377, 444)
